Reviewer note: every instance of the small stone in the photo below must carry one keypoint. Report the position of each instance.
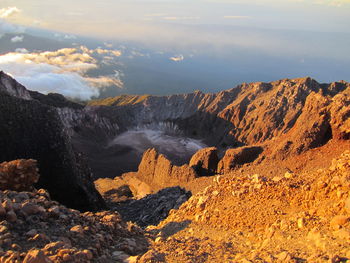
(31, 233)
(54, 211)
(120, 255)
(288, 175)
(3, 229)
(39, 237)
(201, 202)
(152, 256)
(15, 247)
(88, 254)
(158, 239)
(255, 178)
(77, 229)
(31, 209)
(65, 254)
(54, 246)
(7, 204)
(44, 193)
(277, 179)
(11, 216)
(301, 222)
(284, 256)
(36, 256)
(215, 193)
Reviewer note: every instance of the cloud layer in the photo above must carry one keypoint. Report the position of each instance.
(63, 71)
(8, 11)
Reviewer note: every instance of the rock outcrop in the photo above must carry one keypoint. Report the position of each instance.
(237, 157)
(205, 161)
(158, 172)
(18, 175)
(30, 129)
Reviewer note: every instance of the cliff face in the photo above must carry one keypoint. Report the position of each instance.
(31, 129)
(249, 114)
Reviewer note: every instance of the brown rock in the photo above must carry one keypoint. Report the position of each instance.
(8, 205)
(18, 175)
(31, 233)
(31, 209)
(139, 188)
(205, 161)
(77, 229)
(36, 256)
(158, 172)
(11, 216)
(284, 256)
(238, 156)
(152, 256)
(88, 254)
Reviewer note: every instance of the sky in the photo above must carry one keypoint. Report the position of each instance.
(124, 17)
(315, 31)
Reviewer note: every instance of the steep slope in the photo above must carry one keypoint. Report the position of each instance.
(251, 218)
(31, 129)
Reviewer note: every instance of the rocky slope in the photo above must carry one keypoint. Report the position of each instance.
(34, 130)
(252, 218)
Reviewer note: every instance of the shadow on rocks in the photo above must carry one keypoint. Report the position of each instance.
(153, 208)
(173, 227)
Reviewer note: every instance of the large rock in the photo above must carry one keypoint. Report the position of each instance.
(32, 130)
(158, 172)
(238, 156)
(205, 161)
(18, 175)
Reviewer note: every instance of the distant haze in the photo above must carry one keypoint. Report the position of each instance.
(175, 46)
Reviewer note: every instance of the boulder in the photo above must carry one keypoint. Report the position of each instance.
(158, 172)
(18, 175)
(238, 156)
(205, 161)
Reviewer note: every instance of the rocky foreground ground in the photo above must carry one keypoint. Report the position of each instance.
(239, 217)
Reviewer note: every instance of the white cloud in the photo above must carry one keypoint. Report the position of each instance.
(8, 11)
(62, 71)
(70, 37)
(177, 58)
(17, 39)
(21, 50)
